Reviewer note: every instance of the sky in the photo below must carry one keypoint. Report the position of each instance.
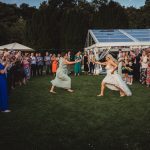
(135, 3)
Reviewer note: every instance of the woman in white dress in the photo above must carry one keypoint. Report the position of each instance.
(62, 80)
(113, 80)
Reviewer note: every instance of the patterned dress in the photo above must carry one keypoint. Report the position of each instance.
(143, 72)
(148, 75)
(26, 66)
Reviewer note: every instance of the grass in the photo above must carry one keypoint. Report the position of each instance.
(76, 121)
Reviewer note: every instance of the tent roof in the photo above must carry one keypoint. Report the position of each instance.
(118, 37)
(16, 46)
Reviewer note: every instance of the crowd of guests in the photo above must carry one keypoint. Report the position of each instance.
(16, 68)
(134, 65)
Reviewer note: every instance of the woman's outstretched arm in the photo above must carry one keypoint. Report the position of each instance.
(101, 63)
(71, 62)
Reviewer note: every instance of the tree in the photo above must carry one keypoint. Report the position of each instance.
(133, 17)
(98, 3)
(110, 16)
(43, 5)
(63, 24)
(17, 31)
(62, 3)
(8, 14)
(147, 2)
(27, 11)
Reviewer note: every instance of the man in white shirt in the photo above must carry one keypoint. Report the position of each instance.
(33, 65)
(40, 64)
(47, 61)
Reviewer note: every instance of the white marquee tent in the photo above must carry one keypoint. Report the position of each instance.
(117, 38)
(16, 46)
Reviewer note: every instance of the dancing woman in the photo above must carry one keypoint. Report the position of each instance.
(62, 80)
(113, 80)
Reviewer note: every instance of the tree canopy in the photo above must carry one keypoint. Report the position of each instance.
(63, 24)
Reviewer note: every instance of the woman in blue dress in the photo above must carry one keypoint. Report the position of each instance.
(3, 89)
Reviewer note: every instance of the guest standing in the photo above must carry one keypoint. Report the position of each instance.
(91, 64)
(47, 63)
(54, 64)
(144, 65)
(130, 73)
(77, 66)
(3, 89)
(33, 65)
(26, 66)
(136, 65)
(19, 73)
(148, 72)
(40, 64)
(85, 61)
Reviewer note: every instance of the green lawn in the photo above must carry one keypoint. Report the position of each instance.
(76, 121)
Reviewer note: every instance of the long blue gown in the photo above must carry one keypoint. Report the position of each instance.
(3, 91)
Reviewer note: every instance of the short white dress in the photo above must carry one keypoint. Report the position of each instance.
(115, 82)
(62, 80)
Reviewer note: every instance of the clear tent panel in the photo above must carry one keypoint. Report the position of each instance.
(111, 36)
(144, 39)
(140, 34)
(123, 35)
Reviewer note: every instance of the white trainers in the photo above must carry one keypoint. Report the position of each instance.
(6, 111)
